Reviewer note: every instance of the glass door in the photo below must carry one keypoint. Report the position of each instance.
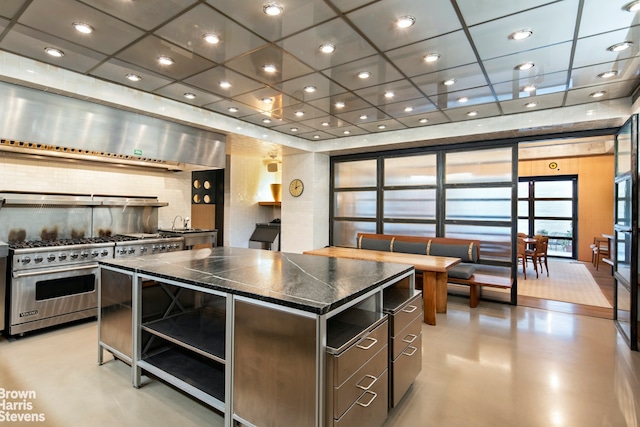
(625, 242)
(548, 206)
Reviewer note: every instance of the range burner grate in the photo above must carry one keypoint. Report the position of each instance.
(68, 242)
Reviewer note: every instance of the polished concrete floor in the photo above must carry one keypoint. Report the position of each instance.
(495, 365)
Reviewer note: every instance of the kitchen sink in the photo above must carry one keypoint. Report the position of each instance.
(193, 236)
(186, 230)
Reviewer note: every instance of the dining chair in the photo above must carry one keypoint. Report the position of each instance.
(600, 250)
(531, 253)
(522, 256)
(541, 252)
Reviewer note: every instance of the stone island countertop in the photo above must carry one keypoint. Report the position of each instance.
(305, 282)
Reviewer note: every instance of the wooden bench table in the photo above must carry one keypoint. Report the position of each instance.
(434, 272)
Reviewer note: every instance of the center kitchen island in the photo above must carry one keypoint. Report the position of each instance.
(267, 338)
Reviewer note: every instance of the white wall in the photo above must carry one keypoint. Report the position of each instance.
(305, 219)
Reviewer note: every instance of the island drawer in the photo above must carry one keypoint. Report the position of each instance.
(404, 370)
(341, 366)
(363, 379)
(370, 409)
(405, 314)
(405, 337)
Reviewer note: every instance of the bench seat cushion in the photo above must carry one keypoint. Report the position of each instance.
(462, 271)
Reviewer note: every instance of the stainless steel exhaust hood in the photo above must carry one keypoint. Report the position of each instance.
(37, 122)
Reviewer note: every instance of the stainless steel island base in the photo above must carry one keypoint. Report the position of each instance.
(260, 335)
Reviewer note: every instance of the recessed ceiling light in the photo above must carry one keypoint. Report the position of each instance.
(211, 38)
(463, 99)
(316, 136)
(530, 88)
(520, 34)
(364, 74)
(339, 104)
(233, 109)
(389, 94)
(266, 120)
(225, 84)
(472, 113)
(618, 47)
(299, 113)
(364, 117)
(327, 48)
(165, 60)
(531, 104)
(634, 6)
(608, 74)
(525, 66)
(269, 68)
(346, 132)
(267, 100)
(54, 52)
(272, 9)
(431, 57)
(83, 28)
(382, 127)
(408, 109)
(325, 123)
(449, 82)
(190, 95)
(423, 120)
(598, 94)
(405, 21)
(310, 89)
(294, 129)
(133, 77)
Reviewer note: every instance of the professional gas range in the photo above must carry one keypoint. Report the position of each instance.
(55, 281)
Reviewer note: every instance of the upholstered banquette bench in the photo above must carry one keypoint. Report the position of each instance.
(462, 274)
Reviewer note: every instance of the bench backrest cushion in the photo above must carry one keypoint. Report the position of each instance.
(374, 244)
(466, 252)
(409, 247)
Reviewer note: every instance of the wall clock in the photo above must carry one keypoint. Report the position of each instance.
(296, 187)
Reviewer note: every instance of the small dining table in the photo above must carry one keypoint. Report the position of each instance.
(434, 272)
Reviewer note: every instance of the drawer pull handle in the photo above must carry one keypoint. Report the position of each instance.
(370, 377)
(373, 397)
(373, 342)
(412, 353)
(409, 338)
(410, 309)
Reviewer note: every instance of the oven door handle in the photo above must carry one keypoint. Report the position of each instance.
(39, 272)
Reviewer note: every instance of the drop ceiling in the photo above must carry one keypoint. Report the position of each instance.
(571, 47)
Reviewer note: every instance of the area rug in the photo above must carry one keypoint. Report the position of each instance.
(567, 281)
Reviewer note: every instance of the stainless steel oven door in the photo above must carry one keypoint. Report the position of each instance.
(46, 297)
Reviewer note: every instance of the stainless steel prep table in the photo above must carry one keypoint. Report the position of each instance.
(253, 325)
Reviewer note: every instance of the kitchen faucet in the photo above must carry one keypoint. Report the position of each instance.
(185, 222)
